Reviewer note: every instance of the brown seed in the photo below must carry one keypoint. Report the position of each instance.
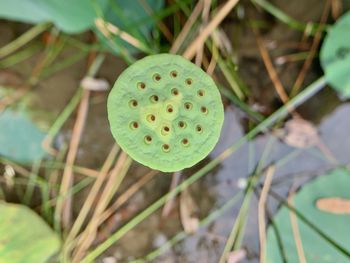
(173, 74)
(166, 147)
(182, 124)
(156, 77)
(141, 85)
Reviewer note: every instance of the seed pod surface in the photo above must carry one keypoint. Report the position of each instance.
(165, 112)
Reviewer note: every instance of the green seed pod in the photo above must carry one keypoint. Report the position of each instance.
(165, 112)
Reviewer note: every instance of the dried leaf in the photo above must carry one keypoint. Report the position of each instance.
(334, 205)
(236, 256)
(300, 133)
(188, 210)
(94, 84)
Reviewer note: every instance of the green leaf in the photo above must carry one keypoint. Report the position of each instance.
(20, 139)
(336, 227)
(130, 16)
(24, 236)
(335, 56)
(69, 16)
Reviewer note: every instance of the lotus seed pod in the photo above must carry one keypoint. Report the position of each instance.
(165, 112)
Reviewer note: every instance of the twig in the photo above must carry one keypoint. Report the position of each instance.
(213, 61)
(64, 206)
(127, 195)
(316, 41)
(205, 18)
(169, 204)
(295, 228)
(107, 29)
(88, 204)
(67, 178)
(23, 39)
(187, 27)
(116, 177)
(270, 68)
(213, 24)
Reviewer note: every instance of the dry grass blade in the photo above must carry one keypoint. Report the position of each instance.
(176, 177)
(270, 68)
(261, 212)
(337, 8)
(115, 178)
(317, 39)
(205, 19)
(187, 27)
(213, 61)
(188, 209)
(107, 29)
(295, 228)
(213, 24)
(127, 195)
(64, 206)
(88, 204)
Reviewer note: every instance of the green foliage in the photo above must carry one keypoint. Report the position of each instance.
(336, 227)
(79, 15)
(24, 236)
(130, 16)
(165, 112)
(20, 139)
(69, 16)
(335, 56)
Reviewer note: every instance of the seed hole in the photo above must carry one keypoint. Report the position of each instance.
(133, 103)
(175, 92)
(199, 129)
(182, 124)
(148, 139)
(188, 105)
(204, 110)
(141, 85)
(166, 147)
(200, 93)
(157, 77)
(169, 109)
(151, 118)
(154, 98)
(166, 129)
(185, 142)
(134, 125)
(189, 81)
(173, 73)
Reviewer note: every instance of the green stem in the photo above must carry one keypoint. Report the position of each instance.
(262, 127)
(23, 39)
(30, 187)
(20, 56)
(280, 15)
